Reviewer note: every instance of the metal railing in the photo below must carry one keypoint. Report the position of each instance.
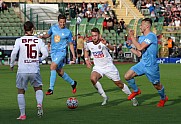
(128, 9)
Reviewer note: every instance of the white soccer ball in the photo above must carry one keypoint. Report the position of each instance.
(72, 103)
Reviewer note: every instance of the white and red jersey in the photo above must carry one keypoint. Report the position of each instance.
(100, 54)
(28, 48)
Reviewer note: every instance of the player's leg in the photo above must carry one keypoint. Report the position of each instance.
(39, 99)
(129, 77)
(53, 67)
(21, 104)
(153, 75)
(67, 78)
(21, 84)
(97, 74)
(56, 59)
(36, 82)
(113, 74)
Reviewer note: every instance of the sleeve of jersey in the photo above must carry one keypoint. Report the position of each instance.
(149, 39)
(70, 37)
(14, 53)
(43, 50)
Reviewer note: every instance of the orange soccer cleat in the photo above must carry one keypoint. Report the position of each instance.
(162, 102)
(133, 94)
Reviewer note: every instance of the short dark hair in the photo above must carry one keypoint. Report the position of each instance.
(60, 16)
(28, 26)
(95, 30)
(147, 20)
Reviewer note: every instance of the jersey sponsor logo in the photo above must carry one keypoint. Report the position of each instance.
(99, 47)
(98, 54)
(147, 41)
(57, 38)
(31, 61)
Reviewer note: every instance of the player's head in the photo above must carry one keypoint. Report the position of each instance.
(146, 25)
(61, 20)
(29, 28)
(95, 34)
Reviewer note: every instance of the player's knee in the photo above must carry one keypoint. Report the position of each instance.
(126, 77)
(93, 80)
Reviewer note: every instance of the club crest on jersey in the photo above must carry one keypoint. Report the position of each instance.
(57, 38)
(99, 47)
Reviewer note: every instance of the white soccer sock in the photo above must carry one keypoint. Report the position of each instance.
(126, 90)
(39, 97)
(21, 103)
(99, 88)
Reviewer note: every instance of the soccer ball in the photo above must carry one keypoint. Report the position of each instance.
(72, 103)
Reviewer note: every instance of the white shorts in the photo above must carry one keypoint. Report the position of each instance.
(109, 71)
(22, 80)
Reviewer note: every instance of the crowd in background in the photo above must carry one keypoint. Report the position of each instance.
(169, 9)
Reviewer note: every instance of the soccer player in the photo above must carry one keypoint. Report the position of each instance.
(147, 48)
(60, 38)
(29, 48)
(103, 65)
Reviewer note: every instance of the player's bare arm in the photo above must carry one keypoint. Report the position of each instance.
(45, 36)
(87, 59)
(72, 50)
(138, 46)
(107, 44)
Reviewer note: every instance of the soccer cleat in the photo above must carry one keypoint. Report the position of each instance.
(161, 103)
(74, 87)
(135, 102)
(133, 94)
(105, 100)
(21, 117)
(40, 110)
(49, 92)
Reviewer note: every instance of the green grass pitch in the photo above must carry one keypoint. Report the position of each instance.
(118, 110)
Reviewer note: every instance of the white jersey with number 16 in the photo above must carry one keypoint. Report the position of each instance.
(29, 48)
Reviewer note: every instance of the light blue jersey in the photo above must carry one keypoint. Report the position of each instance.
(148, 64)
(60, 38)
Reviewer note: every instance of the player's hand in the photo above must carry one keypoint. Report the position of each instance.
(131, 33)
(74, 59)
(88, 63)
(40, 36)
(12, 68)
(128, 44)
(103, 41)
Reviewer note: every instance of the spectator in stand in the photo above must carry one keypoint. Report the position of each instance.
(104, 24)
(110, 24)
(4, 7)
(89, 5)
(119, 29)
(115, 24)
(88, 14)
(95, 7)
(114, 3)
(123, 24)
(1, 2)
(177, 23)
(99, 6)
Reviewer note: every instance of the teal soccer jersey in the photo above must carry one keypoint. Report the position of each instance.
(148, 64)
(60, 38)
